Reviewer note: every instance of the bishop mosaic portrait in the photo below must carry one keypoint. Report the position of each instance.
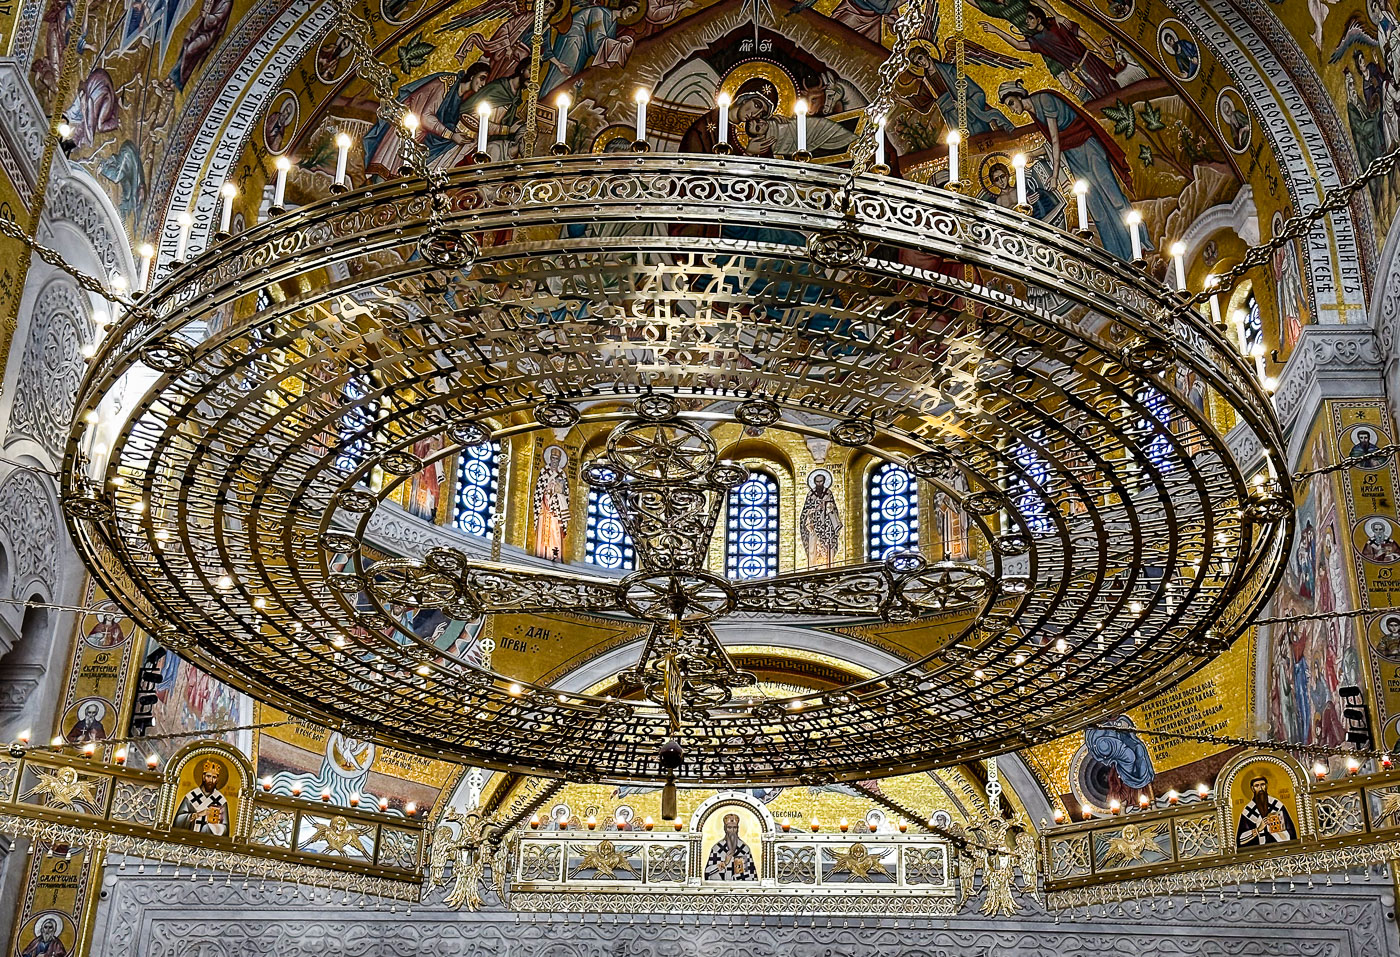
(1265, 819)
(204, 809)
(730, 858)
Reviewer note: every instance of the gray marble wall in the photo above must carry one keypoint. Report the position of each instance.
(150, 916)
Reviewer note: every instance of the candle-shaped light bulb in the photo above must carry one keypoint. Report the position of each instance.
(800, 110)
(561, 109)
(24, 736)
(152, 760)
(483, 121)
(954, 140)
(1269, 465)
(1134, 223)
(1202, 791)
(1178, 251)
(147, 253)
(279, 191)
(880, 142)
(722, 102)
(641, 97)
(342, 156)
(1239, 317)
(410, 123)
(1018, 163)
(1212, 281)
(120, 756)
(1086, 811)
(229, 192)
(1081, 202)
(182, 242)
(1320, 770)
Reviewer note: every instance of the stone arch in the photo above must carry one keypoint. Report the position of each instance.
(51, 368)
(29, 521)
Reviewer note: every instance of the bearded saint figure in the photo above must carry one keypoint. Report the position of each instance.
(820, 522)
(550, 503)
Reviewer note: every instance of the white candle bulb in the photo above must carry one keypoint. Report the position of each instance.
(561, 109)
(642, 99)
(1239, 318)
(723, 103)
(483, 115)
(954, 140)
(1018, 162)
(342, 145)
(880, 142)
(228, 191)
(1081, 202)
(1134, 222)
(410, 123)
(1211, 282)
(1178, 251)
(182, 241)
(279, 192)
(1269, 464)
(147, 253)
(800, 109)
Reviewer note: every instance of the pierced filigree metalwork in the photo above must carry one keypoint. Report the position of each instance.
(258, 478)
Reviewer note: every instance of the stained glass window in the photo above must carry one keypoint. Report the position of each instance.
(1159, 447)
(892, 517)
(751, 539)
(1253, 321)
(355, 424)
(477, 476)
(605, 541)
(1030, 502)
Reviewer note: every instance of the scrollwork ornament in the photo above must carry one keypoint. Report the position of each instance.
(401, 463)
(853, 433)
(340, 542)
(656, 407)
(836, 249)
(930, 464)
(556, 415)
(357, 500)
(758, 413)
(1148, 355)
(449, 249)
(168, 355)
(469, 434)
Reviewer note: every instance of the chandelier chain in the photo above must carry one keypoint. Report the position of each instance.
(1317, 750)
(1298, 226)
(167, 736)
(356, 31)
(863, 149)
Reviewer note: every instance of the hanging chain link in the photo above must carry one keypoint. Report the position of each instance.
(1298, 226)
(357, 31)
(1347, 462)
(51, 256)
(532, 90)
(908, 22)
(1317, 750)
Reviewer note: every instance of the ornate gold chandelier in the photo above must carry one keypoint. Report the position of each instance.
(1036, 381)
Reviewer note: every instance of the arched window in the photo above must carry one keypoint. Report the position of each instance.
(605, 542)
(1253, 321)
(477, 479)
(892, 517)
(355, 422)
(751, 539)
(1159, 447)
(1030, 503)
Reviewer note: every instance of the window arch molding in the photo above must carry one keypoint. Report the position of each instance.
(757, 454)
(884, 486)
